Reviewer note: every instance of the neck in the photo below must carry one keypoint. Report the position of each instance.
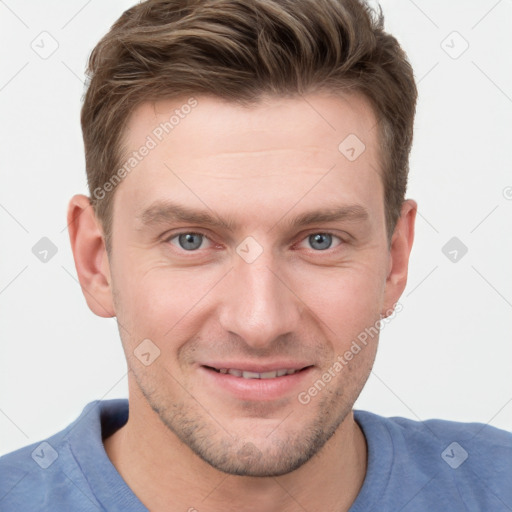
(161, 470)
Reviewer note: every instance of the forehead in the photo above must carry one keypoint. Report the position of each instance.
(273, 122)
(209, 152)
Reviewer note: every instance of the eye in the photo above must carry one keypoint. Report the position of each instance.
(321, 241)
(188, 241)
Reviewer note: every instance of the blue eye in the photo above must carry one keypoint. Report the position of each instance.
(194, 241)
(188, 241)
(321, 241)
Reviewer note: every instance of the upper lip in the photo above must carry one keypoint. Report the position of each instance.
(257, 367)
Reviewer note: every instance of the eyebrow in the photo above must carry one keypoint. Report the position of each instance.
(166, 212)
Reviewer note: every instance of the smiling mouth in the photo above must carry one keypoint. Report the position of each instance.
(256, 375)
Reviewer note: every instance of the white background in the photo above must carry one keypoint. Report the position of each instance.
(448, 354)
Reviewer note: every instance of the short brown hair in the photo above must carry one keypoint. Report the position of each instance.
(240, 50)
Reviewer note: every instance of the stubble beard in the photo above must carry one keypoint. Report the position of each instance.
(279, 453)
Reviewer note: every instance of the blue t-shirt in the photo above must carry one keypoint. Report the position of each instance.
(415, 466)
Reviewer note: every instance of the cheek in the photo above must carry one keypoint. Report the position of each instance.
(343, 296)
(157, 302)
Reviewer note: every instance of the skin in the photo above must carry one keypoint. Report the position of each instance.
(189, 443)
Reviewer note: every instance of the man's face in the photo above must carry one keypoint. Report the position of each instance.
(251, 284)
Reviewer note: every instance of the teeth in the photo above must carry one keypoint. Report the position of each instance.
(268, 375)
(256, 375)
(250, 375)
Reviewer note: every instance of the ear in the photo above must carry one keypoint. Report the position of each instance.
(400, 250)
(90, 254)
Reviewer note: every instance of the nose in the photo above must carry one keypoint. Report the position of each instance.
(258, 304)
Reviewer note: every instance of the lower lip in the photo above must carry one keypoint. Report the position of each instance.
(257, 389)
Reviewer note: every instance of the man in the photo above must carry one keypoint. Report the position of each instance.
(247, 164)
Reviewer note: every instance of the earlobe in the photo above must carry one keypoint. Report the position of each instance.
(90, 255)
(400, 250)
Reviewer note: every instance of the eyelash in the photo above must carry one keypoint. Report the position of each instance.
(305, 237)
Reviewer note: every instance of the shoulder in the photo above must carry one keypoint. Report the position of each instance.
(458, 441)
(46, 475)
(38, 476)
(466, 462)
(435, 433)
